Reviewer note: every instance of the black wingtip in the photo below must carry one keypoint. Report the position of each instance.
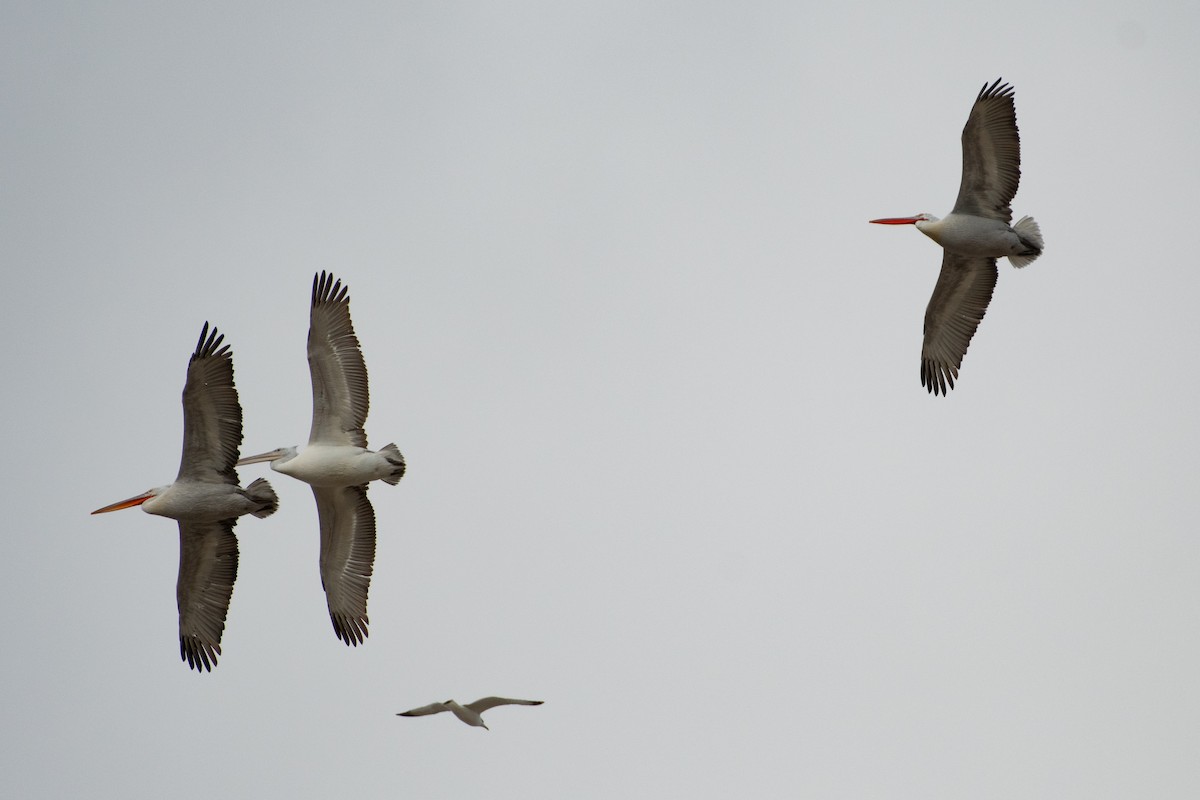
(997, 89)
(199, 656)
(936, 379)
(351, 631)
(327, 289)
(208, 344)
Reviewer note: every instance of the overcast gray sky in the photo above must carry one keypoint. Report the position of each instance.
(671, 469)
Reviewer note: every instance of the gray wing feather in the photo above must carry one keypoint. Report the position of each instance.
(484, 703)
(959, 301)
(208, 560)
(212, 415)
(347, 557)
(339, 374)
(991, 156)
(432, 708)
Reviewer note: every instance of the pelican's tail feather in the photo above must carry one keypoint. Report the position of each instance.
(392, 454)
(1031, 237)
(261, 492)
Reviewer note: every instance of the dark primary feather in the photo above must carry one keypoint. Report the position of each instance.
(339, 374)
(347, 557)
(212, 416)
(991, 155)
(959, 301)
(208, 561)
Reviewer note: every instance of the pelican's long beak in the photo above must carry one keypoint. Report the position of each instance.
(130, 503)
(897, 221)
(269, 456)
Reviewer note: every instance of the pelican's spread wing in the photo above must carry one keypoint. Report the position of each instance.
(432, 708)
(212, 416)
(339, 375)
(484, 703)
(991, 156)
(347, 557)
(960, 298)
(208, 559)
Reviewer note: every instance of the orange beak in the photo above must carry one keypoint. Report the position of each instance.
(130, 503)
(897, 221)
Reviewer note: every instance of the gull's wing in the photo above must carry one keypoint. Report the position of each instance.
(484, 703)
(991, 156)
(339, 375)
(347, 556)
(960, 298)
(432, 708)
(208, 559)
(212, 416)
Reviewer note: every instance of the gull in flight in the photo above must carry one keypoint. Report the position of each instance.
(206, 500)
(337, 463)
(471, 713)
(974, 235)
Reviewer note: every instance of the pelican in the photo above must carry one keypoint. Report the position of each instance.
(974, 235)
(471, 713)
(206, 500)
(337, 463)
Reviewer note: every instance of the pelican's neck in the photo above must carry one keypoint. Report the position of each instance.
(284, 459)
(931, 226)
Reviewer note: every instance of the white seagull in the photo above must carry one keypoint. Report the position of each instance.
(974, 235)
(337, 463)
(471, 713)
(206, 500)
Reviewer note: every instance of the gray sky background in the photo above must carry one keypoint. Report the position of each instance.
(671, 469)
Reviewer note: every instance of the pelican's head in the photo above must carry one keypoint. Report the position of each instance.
(278, 456)
(149, 494)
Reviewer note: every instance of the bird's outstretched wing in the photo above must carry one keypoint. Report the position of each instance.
(432, 708)
(991, 156)
(959, 301)
(208, 560)
(347, 557)
(339, 374)
(212, 415)
(484, 703)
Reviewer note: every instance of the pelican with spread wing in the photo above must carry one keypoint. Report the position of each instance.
(974, 235)
(206, 500)
(336, 462)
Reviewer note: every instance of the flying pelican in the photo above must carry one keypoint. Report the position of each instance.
(974, 235)
(471, 713)
(206, 500)
(337, 463)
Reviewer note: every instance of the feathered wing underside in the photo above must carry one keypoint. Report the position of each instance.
(212, 415)
(339, 374)
(484, 703)
(432, 708)
(208, 560)
(347, 557)
(959, 301)
(991, 156)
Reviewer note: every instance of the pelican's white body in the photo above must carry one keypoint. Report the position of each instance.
(193, 501)
(334, 465)
(972, 236)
